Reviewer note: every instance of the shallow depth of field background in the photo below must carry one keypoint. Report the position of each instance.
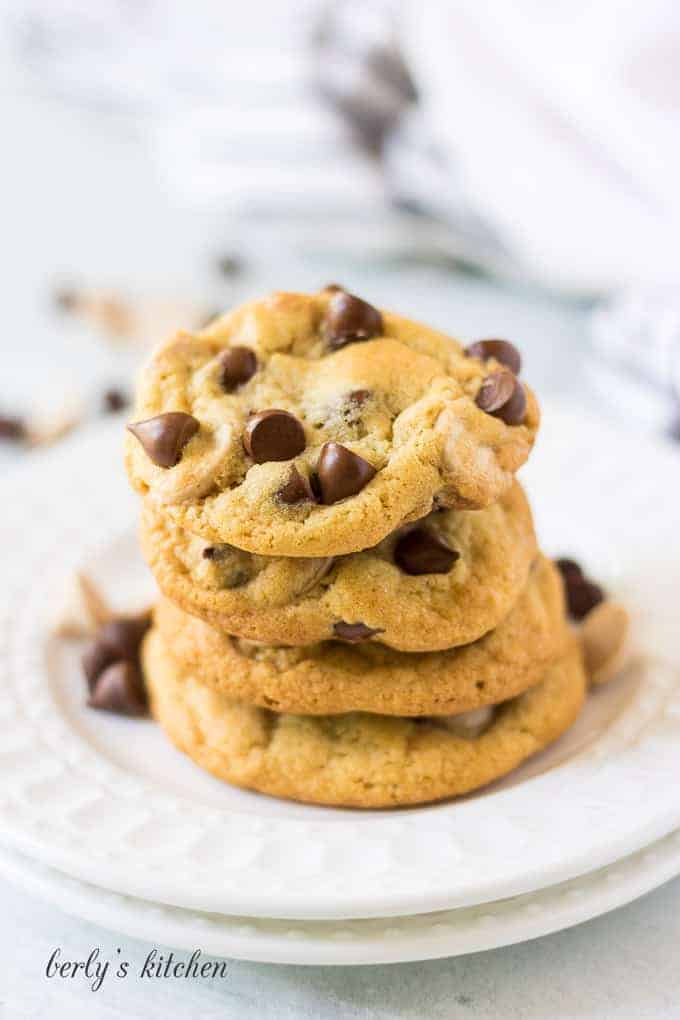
(449, 162)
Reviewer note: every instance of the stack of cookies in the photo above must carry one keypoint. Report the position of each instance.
(354, 609)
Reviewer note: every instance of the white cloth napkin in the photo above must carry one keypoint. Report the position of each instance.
(560, 127)
(546, 135)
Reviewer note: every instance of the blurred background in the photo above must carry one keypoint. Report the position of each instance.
(494, 169)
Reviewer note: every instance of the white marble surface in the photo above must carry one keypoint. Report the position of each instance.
(80, 197)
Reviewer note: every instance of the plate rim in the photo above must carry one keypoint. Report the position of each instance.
(360, 942)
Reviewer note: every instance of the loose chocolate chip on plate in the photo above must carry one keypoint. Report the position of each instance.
(582, 596)
(124, 635)
(502, 350)
(502, 395)
(341, 473)
(422, 552)
(569, 568)
(354, 632)
(297, 489)
(96, 658)
(112, 668)
(120, 689)
(349, 320)
(165, 436)
(237, 366)
(273, 435)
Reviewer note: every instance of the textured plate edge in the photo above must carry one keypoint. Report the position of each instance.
(614, 886)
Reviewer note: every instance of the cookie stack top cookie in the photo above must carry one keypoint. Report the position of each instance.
(314, 426)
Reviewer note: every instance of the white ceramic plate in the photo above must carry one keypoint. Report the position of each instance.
(386, 940)
(109, 801)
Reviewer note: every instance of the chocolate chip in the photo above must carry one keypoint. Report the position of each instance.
(165, 436)
(422, 552)
(120, 689)
(96, 658)
(354, 632)
(111, 666)
(582, 596)
(124, 635)
(341, 473)
(495, 391)
(273, 435)
(114, 400)
(332, 288)
(237, 366)
(502, 350)
(359, 397)
(502, 395)
(297, 489)
(316, 486)
(12, 428)
(514, 411)
(569, 569)
(217, 552)
(349, 320)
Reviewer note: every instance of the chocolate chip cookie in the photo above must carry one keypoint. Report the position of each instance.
(315, 426)
(356, 760)
(335, 676)
(444, 581)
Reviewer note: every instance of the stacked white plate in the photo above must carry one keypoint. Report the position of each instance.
(101, 816)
